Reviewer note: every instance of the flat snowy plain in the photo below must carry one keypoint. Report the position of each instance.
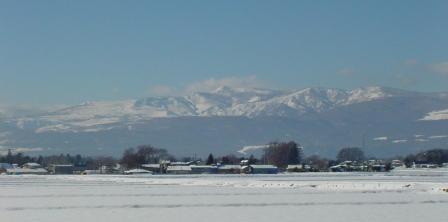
(397, 196)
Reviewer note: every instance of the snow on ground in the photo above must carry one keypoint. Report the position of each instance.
(405, 195)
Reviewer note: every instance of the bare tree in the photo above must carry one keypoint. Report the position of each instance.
(351, 154)
(282, 154)
(144, 154)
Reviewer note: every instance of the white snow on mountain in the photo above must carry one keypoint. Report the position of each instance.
(399, 141)
(99, 114)
(382, 138)
(437, 115)
(224, 101)
(438, 137)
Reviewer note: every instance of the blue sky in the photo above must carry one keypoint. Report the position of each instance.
(67, 52)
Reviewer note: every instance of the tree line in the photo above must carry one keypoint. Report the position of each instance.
(45, 161)
(433, 156)
(279, 154)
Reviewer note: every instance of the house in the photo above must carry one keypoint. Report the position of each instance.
(111, 169)
(61, 169)
(397, 164)
(137, 171)
(27, 168)
(79, 168)
(155, 168)
(178, 169)
(339, 168)
(295, 168)
(229, 169)
(203, 169)
(244, 163)
(425, 165)
(31, 166)
(260, 169)
(181, 163)
(377, 168)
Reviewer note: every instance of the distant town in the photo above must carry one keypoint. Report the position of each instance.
(277, 157)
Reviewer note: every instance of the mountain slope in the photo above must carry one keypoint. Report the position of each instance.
(222, 121)
(224, 101)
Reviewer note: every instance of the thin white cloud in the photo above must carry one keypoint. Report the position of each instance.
(346, 72)
(407, 80)
(233, 82)
(163, 90)
(4, 151)
(247, 149)
(410, 62)
(207, 85)
(439, 68)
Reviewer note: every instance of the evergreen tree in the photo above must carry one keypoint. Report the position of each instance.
(210, 159)
(9, 158)
(252, 160)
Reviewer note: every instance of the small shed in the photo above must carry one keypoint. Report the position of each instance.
(260, 169)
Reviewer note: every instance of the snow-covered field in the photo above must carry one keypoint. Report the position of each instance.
(398, 196)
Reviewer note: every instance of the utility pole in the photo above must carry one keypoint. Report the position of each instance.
(363, 141)
(364, 144)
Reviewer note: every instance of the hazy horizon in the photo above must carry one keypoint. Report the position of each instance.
(178, 93)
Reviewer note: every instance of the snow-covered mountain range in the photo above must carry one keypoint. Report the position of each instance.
(231, 118)
(224, 101)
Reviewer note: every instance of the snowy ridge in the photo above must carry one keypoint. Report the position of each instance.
(437, 115)
(224, 101)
